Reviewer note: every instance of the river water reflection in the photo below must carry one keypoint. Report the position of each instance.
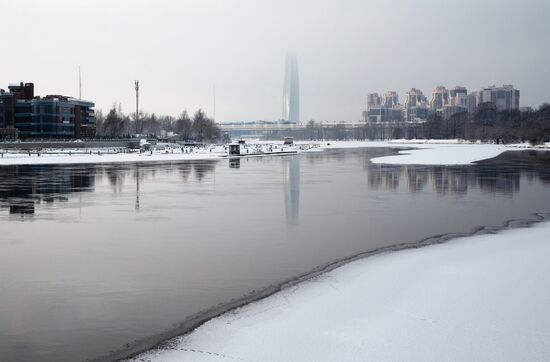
(94, 257)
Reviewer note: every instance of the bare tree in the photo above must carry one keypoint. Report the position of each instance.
(184, 126)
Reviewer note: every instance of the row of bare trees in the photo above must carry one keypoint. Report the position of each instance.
(485, 124)
(489, 124)
(116, 124)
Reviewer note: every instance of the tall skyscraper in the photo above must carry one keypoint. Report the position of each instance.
(291, 90)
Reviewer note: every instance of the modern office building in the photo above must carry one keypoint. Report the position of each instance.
(504, 98)
(291, 90)
(24, 115)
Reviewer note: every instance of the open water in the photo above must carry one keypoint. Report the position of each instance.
(100, 258)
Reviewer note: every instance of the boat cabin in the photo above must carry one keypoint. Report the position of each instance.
(235, 149)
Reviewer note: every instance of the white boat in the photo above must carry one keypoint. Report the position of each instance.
(237, 150)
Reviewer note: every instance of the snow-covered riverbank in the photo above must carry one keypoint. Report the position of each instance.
(427, 152)
(481, 298)
(66, 158)
(444, 154)
(436, 152)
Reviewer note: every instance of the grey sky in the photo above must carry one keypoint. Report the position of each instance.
(346, 49)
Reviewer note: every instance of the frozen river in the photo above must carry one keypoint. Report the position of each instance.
(96, 257)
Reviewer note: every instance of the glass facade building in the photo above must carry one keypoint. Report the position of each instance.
(54, 116)
(291, 90)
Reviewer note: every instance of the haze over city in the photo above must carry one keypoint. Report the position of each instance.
(180, 49)
(274, 180)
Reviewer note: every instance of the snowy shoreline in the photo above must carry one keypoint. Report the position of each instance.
(413, 304)
(439, 152)
(427, 152)
(103, 158)
(156, 347)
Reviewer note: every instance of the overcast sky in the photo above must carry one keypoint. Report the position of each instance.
(346, 49)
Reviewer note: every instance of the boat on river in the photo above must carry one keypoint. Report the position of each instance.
(238, 150)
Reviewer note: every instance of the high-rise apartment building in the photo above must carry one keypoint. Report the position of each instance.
(473, 101)
(457, 103)
(444, 102)
(414, 98)
(440, 97)
(373, 100)
(458, 96)
(390, 99)
(385, 108)
(416, 106)
(504, 98)
(457, 90)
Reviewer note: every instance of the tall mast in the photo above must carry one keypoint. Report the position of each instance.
(136, 83)
(214, 101)
(79, 84)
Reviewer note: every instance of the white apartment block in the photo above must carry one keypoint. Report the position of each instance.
(504, 98)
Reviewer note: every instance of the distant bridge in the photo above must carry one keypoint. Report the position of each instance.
(260, 127)
(359, 130)
(260, 130)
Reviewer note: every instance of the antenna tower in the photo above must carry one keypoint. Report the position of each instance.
(79, 84)
(214, 101)
(136, 83)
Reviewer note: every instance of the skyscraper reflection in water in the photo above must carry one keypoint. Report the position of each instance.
(291, 184)
(456, 180)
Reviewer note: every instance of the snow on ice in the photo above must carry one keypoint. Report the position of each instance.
(425, 152)
(482, 298)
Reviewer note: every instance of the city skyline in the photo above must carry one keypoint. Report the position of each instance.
(417, 107)
(345, 51)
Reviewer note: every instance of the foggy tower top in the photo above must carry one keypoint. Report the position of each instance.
(291, 91)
